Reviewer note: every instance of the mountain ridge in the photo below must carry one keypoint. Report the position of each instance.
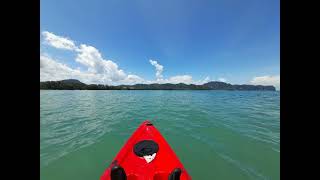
(74, 84)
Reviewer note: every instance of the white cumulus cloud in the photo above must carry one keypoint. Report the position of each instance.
(132, 79)
(159, 69)
(98, 69)
(267, 80)
(52, 70)
(91, 58)
(187, 79)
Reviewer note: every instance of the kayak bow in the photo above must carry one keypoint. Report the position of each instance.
(146, 156)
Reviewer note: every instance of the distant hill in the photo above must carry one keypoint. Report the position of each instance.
(215, 85)
(73, 84)
(68, 84)
(72, 81)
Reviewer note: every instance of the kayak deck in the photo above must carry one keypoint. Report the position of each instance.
(159, 161)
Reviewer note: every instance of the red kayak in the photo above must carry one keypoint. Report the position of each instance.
(146, 156)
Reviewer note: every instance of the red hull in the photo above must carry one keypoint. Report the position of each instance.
(136, 168)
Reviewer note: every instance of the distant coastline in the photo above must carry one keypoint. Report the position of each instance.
(73, 84)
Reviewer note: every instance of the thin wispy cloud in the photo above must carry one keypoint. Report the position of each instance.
(58, 41)
(222, 79)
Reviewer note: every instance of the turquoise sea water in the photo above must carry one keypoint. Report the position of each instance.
(216, 134)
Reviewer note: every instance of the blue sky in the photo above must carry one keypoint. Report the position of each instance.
(237, 41)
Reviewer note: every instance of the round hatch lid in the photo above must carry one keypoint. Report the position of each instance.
(145, 148)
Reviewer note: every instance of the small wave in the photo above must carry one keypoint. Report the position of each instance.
(251, 172)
